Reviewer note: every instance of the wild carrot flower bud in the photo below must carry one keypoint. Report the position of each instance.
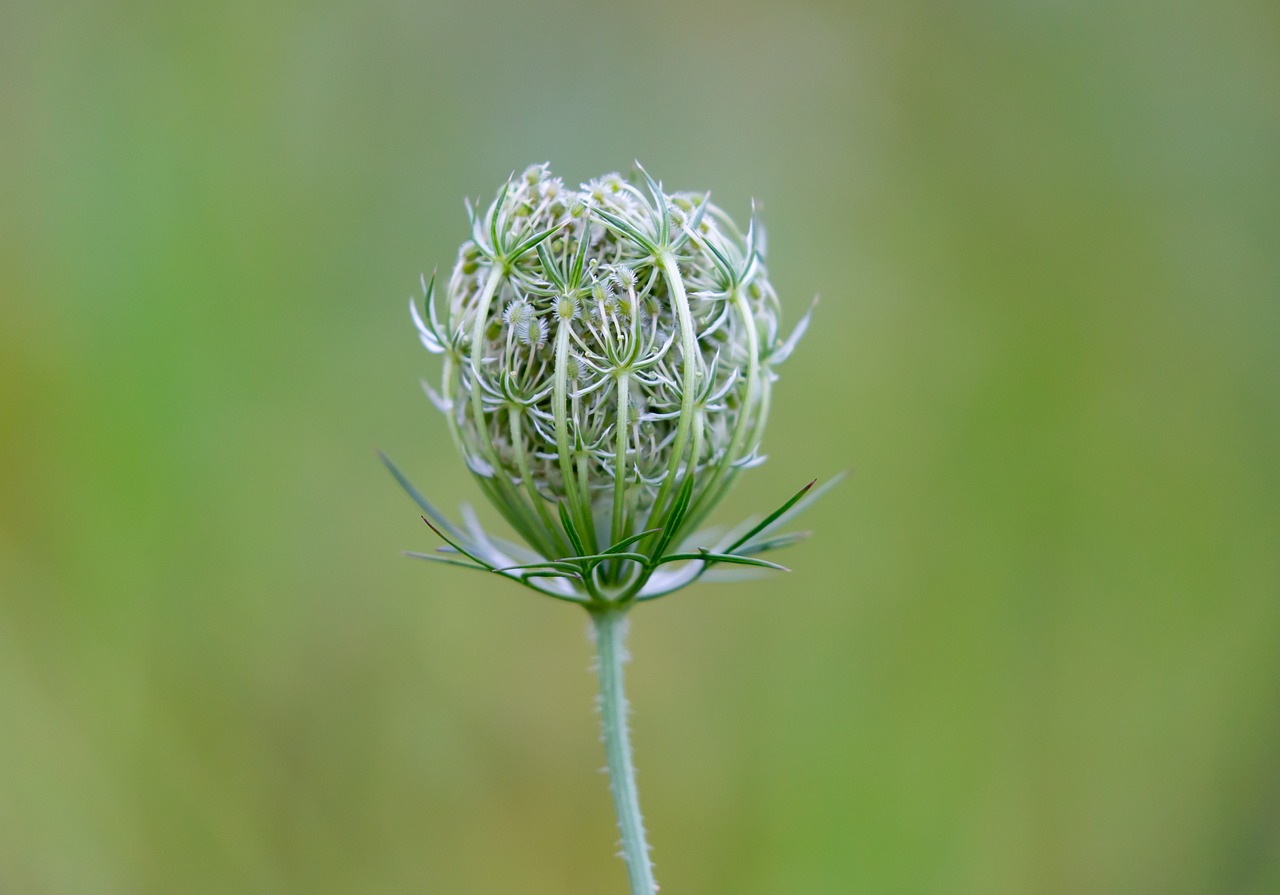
(609, 356)
(608, 359)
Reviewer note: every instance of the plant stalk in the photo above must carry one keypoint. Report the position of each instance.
(611, 628)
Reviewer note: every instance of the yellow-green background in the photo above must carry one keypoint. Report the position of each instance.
(1034, 646)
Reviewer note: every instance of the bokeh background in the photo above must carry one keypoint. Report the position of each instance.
(1034, 646)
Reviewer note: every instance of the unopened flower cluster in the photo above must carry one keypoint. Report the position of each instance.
(602, 344)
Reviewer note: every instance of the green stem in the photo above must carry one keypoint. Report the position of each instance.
(579, 503)
(515, 510)
(620, 459)
(689, 381)
(611, 627)
(553, 545)
(723, 474)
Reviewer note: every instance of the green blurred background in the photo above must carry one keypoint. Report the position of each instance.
(1034, 646)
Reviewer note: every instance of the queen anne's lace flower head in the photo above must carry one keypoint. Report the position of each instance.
(609, 353)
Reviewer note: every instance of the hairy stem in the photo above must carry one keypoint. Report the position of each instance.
(610, 628)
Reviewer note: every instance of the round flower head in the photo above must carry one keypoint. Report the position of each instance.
(609, 353)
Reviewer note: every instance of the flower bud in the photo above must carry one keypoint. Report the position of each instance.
(609, 358)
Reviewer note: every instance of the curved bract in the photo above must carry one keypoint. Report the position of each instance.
(608, 358)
